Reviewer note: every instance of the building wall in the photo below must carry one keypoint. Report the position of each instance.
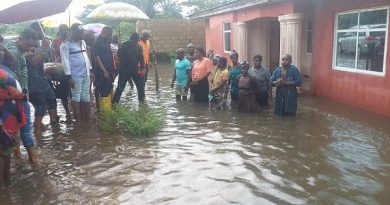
(171, 34)
(361, 90)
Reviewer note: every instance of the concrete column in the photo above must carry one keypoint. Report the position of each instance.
(291, 36)
(241, 40)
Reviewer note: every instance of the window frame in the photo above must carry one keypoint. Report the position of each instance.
(335, 43)
(223, 35)
(309, 30)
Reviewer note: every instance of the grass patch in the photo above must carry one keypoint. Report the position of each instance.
(141, 121)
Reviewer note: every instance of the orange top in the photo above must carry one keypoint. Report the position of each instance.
(146, 50)
(201, 68)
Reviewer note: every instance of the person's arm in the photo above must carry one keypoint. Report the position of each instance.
(173, 78)
(141, 59)
(222, 83)
(8, 56)
(209, 67)
(297, 80)
(275, 77)
(37, 57)
(64, 53)
(99, 62)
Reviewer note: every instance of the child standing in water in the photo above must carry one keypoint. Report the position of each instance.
(247, 88)
(181, 75)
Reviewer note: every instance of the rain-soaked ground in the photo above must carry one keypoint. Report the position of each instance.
(328, 154)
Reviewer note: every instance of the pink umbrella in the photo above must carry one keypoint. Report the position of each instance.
(31, 10)
(96, 28)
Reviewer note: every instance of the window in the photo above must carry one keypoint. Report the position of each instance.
(360, 40)
(309, 36)
(226, 36)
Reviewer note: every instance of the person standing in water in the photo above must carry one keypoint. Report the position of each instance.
(263, 82)
(286, 78)
(219, 87)
(181, 75)
(61, 87)
(105, 66)
(130, 56)
(234, 72)
(145, 45)
(77, 70)
(246, 85)
(201, 69)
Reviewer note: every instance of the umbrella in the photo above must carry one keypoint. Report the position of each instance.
(118, 11)
(96, 28)
(32, 9)
(58, 19)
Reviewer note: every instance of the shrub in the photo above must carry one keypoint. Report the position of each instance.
(142, 121)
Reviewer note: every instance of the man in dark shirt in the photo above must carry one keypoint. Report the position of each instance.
(105, 74)
(132, 65)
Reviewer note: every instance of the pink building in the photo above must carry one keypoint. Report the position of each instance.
(339, 46)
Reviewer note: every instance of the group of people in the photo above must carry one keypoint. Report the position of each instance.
(37, 70)
(211, 79)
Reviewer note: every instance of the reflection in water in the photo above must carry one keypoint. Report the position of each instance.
(327, 154)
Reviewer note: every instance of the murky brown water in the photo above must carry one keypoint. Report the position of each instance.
(328, 154)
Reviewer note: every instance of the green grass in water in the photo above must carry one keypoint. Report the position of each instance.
(142, 121)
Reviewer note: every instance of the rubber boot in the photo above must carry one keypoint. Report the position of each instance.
(76, 111)
(32, 155)
(85, 111)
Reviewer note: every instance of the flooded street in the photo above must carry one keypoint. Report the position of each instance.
(328, 154)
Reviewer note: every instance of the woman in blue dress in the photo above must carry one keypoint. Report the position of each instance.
(286, 79)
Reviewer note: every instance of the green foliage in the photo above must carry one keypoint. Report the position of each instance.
(172, 57)
(143, 121)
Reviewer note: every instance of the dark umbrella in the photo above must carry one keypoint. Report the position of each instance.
(31, 10)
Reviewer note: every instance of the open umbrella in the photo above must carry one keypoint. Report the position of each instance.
(96, 28)
(58, 19)
(32, 9)
(118, 11)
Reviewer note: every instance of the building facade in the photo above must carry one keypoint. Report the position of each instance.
(339, 46)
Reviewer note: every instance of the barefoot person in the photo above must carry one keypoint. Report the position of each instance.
(12, 118)
(77, 70)
(23, 44)
(61, 87)
(286, 78)
(181, 75)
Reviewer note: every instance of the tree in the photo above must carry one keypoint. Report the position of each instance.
(202, 5)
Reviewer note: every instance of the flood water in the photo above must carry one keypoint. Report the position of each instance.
(328, 154)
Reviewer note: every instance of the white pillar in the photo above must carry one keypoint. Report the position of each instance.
(241, 40)
(291, 36)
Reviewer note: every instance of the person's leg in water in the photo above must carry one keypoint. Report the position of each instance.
(52, 110)
(26, 134)
(2, 172)
(76, 96)
(7, 170)
(139, 83)
(85, 100)
(38, 100)
(123, 79)
(131, 83)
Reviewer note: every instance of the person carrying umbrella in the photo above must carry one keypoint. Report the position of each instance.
(105, 66)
